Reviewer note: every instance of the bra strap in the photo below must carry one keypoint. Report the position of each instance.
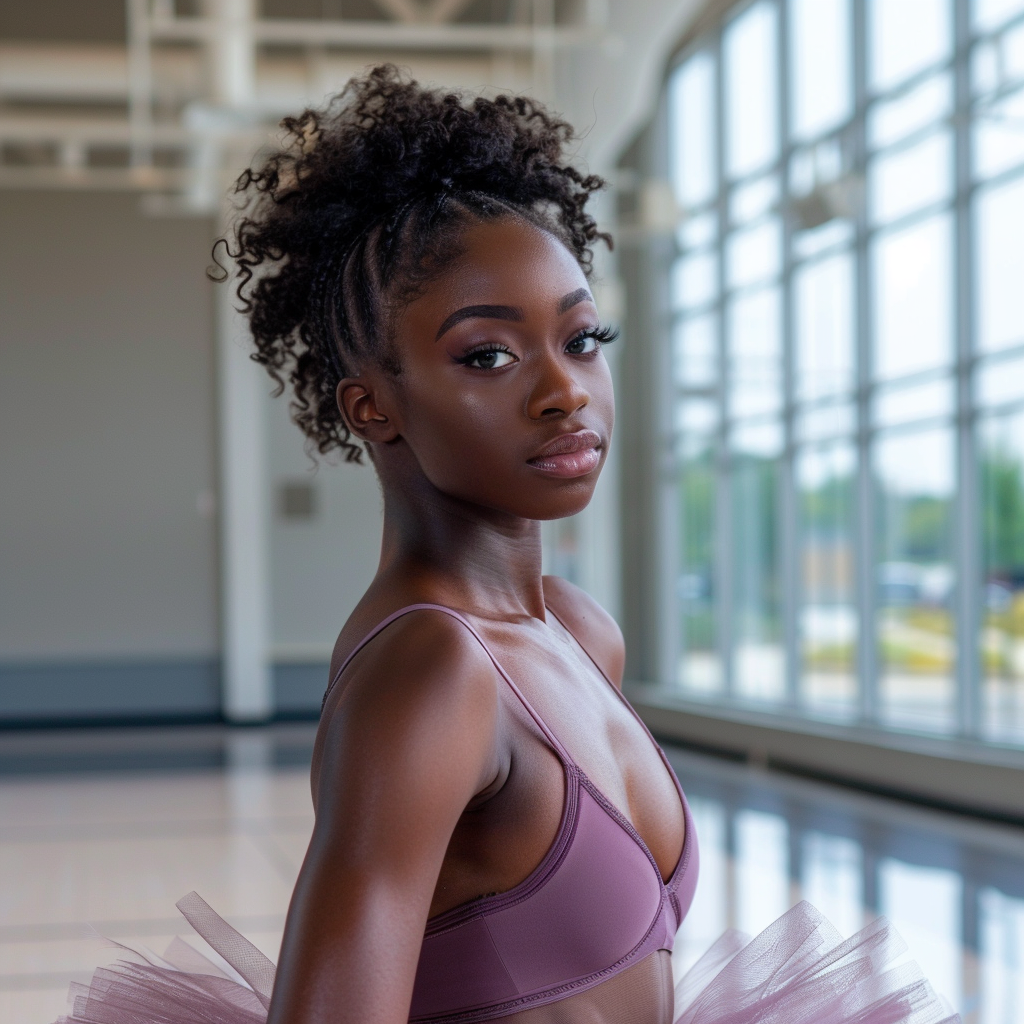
(381, 626)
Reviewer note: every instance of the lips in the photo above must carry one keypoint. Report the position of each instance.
(569, 455)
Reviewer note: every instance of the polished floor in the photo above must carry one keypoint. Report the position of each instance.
(100, 835)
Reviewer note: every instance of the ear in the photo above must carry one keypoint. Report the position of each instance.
(359, 404)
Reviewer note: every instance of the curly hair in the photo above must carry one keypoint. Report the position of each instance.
(363, 203)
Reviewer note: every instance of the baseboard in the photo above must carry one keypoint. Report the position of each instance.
(299, 688)
(155, 747)
(129, 691)
(972, 778)
(110, 690)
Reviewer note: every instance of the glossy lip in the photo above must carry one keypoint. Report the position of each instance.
(570, 455)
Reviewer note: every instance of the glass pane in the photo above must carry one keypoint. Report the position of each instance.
(911, 179)
(999, 135)
(691, 98)
(695, 280)
(754, 255)
(833, 235)
(759, 656)
(748, 202)
(821, 161)
(825, 422)
(915, 480)
(1001, 933)
(898, 405)
(991, 13)
(828, 615)
(755, 353)
(695, 351)
(913, 303)
(905, 37)
(925, 104)
(696, 419)
(697, 232)
(820, 38)
(924, 903)
(832, 878)
(1000, 382)
(1000, 224)
(762, 869)
(824, 325)
(1001, 466)
(750, 55)
(700, 669)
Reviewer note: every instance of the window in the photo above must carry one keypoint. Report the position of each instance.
(847, 348)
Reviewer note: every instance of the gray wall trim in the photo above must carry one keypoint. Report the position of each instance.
(971, 777)
(155, 748)
(115, 689)
(38, 693)
(299, 688)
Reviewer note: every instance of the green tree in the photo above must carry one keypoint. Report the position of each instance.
(1002, 487)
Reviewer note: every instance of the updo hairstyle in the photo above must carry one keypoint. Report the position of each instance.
(363, 203)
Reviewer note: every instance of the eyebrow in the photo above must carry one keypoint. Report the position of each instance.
(574, 299)
(513, 313)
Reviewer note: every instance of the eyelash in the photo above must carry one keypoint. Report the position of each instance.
(603, 335)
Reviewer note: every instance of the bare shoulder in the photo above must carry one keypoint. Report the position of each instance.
(593, 627)
(419, 688)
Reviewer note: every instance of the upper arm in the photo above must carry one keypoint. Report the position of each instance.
(409, 742)
(597, 632)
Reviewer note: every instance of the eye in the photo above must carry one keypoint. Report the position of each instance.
(587, 342)
(488, 358)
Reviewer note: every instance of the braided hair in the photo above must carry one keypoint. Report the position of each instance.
(363, 203)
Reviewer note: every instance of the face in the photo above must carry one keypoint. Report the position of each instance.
(505, 398)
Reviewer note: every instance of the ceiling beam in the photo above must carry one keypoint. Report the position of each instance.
(373, 35)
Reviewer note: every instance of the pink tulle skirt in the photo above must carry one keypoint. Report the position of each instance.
(797, 971)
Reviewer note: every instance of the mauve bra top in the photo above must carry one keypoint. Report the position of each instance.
(595, 906)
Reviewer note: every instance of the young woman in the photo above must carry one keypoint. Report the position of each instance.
(497, 835)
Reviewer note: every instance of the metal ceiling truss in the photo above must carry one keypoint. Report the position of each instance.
(189, 100)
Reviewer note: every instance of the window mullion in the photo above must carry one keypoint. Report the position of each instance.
(724, 547)
(789, 545)
(867, 647)
(966, 540)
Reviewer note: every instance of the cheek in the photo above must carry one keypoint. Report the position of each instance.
(603, 393)
(451, 427)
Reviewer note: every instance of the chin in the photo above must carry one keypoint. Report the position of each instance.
(571, 498)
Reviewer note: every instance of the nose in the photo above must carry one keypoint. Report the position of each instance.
(557, 389)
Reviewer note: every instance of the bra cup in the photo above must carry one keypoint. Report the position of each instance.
(600, 902)
(594, 910)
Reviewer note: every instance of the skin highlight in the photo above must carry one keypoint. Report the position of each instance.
(429, 792)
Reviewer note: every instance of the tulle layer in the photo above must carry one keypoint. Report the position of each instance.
(800, 971)
(183, 986)
(797, 971)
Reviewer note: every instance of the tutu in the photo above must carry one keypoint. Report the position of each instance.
(797, 971)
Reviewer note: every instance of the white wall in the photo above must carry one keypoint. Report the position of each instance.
(320, 567)
(106, 431)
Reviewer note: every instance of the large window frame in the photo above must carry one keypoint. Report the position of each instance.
(961, 424)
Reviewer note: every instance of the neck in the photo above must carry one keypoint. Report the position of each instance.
(475, 557)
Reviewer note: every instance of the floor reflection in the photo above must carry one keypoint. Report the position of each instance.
(953, 886)
(110, 831)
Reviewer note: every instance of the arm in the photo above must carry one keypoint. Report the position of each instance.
(409, 742)
(594, 629)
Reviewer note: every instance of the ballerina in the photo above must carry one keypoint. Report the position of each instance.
(497, 835)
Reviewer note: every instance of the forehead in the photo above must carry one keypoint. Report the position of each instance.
(507, 260)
